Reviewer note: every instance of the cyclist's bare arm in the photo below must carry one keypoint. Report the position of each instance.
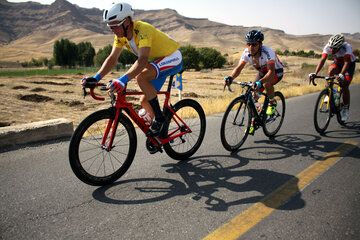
(237, 70)
(321, 64)
(270, 75)
(346, 66)
(140, 63)
(110, 61)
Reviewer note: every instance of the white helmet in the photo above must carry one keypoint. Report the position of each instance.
(336, 41)
(118, 12)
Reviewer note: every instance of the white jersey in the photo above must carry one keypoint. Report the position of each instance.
(345, 52)
(267, 56)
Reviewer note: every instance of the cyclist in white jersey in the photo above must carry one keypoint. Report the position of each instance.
(343, 66)
(263, 59)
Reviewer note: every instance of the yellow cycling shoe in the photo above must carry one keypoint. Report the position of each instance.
(251, 130)
(271, 108)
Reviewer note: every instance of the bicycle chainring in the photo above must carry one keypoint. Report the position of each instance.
(150, 146)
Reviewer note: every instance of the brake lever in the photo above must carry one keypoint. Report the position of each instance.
(313, 81)
(228, 88)
(85, 93)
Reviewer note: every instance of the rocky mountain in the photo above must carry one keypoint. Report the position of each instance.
(29, 29)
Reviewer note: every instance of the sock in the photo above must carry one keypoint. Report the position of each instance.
(154, 103)
(271, 100)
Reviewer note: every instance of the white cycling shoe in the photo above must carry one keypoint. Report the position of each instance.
(326, 99)
(345, 115)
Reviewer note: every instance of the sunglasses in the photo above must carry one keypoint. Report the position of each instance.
(114, 26)
(252, 44)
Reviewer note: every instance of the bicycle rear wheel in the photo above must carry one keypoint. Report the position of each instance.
(193, 115)
(90, 160)
(273, 122)
(339, 109)
(235, 124)
(322, 112)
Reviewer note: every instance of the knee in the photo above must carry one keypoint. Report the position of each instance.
(143, 100)
(267, 84)
(333, 71)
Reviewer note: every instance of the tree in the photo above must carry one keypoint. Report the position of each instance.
(65, 53)
(191, 57)
(211, 58)
(86, 54)
(127, 57)
(102, 55)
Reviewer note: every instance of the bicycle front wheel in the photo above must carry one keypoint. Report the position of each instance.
(235, 124)
(322, 112)
(193, 115)
(273, 122)
(90, 158)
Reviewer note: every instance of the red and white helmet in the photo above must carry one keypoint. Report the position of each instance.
(118, 12)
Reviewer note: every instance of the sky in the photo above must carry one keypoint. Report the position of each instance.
(297, 17)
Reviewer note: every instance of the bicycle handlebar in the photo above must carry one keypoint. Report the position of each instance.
(242, 84)
(323, 77)
(92, 86)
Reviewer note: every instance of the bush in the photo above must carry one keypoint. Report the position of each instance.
(191, 57)
(211, 58)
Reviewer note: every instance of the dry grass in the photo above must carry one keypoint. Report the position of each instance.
(64, 95)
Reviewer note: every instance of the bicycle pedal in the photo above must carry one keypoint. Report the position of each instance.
(150, 146)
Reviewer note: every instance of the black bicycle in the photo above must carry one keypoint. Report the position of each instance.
(236, 123)
(327, 106)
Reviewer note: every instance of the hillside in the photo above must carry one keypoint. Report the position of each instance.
(28, 30)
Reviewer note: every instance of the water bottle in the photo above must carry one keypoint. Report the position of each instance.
(336, 96)
(145, 115)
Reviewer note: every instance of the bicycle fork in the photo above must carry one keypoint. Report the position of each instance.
(112, 124)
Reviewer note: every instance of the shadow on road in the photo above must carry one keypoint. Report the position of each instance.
(204, 180)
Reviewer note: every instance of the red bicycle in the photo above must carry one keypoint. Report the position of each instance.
(104, 144)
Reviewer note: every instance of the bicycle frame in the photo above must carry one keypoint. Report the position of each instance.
(259, 117)
(122, 104)
(331, 102)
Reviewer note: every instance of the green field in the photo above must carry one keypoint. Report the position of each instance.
(43, 72)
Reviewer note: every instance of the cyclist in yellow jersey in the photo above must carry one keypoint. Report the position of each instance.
(158, 57)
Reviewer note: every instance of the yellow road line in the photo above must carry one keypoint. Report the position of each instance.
(253, 215)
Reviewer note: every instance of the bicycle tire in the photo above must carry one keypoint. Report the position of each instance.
(273, 122)
(235, 124)
(322, 112)
(193, 115)
(339, 110)
(90, 161)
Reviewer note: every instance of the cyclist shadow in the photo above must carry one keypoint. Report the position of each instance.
(291, 145)
(206, 180)
(349, 130)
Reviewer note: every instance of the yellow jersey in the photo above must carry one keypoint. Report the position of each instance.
(146, 35)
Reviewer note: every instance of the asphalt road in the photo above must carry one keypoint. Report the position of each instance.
(159, 198)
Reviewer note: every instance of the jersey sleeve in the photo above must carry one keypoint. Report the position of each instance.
(326, 50)
(118, 42)
(245, 56)
(348, 51)
(270, 56)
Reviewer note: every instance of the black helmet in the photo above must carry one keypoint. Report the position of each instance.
(254, 36)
